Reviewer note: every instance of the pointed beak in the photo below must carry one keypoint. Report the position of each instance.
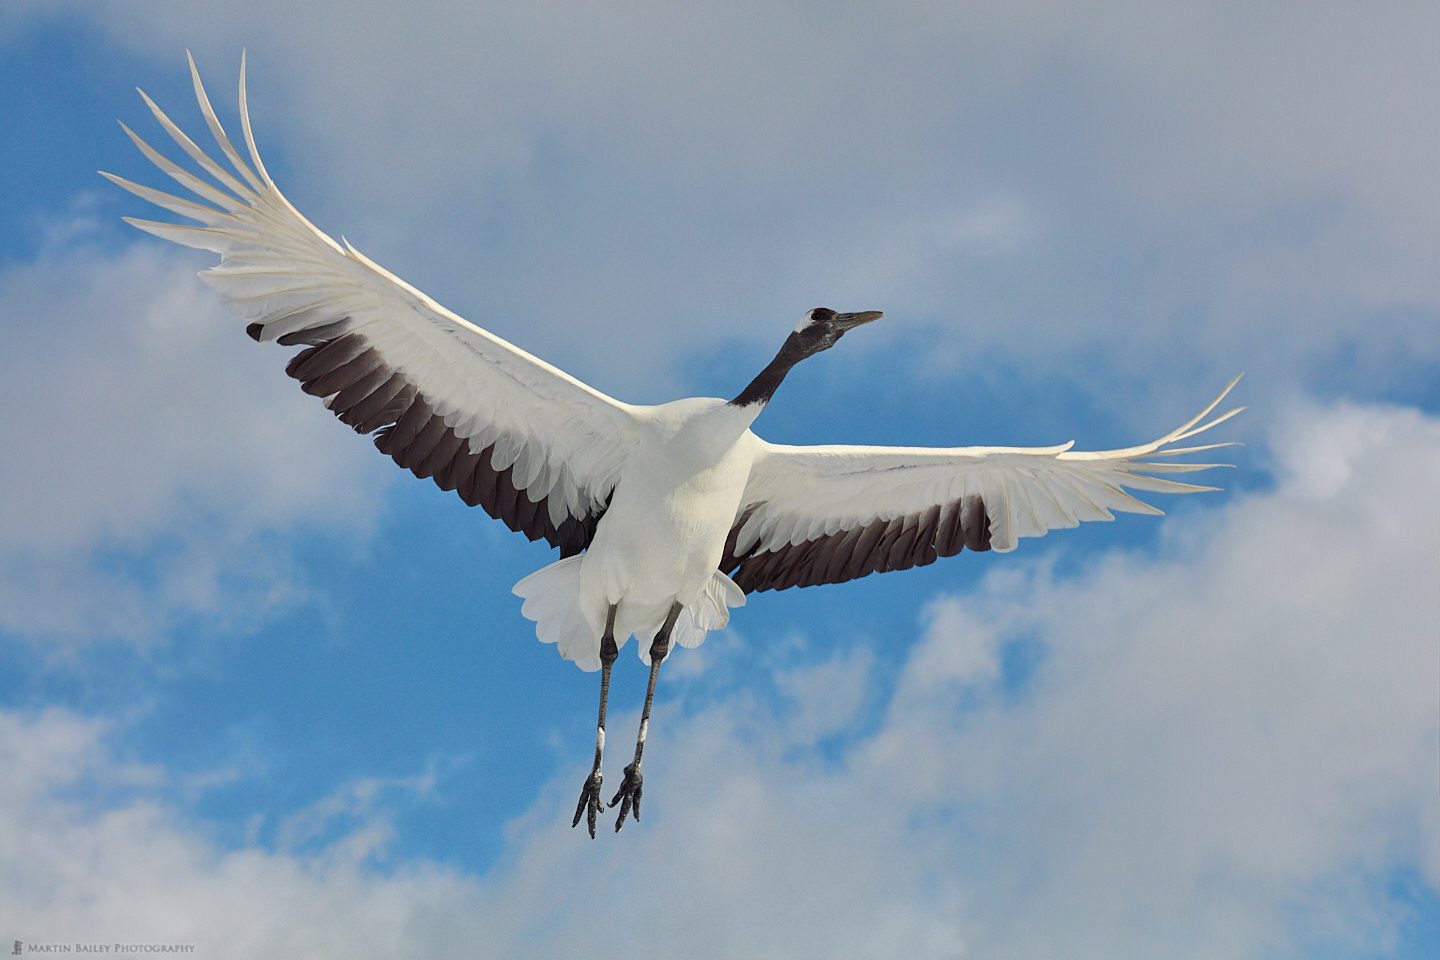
(848, 321)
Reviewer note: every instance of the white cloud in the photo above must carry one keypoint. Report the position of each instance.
(85, 864)
(845, 679)
(1241, 736)
(1225, 751)
(360, 800)
(154, 455)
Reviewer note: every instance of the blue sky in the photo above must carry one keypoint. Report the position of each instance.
(263, 693)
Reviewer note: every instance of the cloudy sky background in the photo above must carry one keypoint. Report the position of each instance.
(263, 693)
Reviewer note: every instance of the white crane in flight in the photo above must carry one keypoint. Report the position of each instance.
(665, 516)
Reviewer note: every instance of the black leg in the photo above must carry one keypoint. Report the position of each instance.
(590, 803)
(628, 796)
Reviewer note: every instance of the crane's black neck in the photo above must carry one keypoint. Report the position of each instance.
(762, 388)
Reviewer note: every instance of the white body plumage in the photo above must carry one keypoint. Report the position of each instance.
(659, 541)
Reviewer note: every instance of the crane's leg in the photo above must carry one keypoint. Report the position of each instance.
(590, 803)
(628, 796)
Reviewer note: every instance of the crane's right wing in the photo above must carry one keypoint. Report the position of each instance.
(530, 444)
(813, 515)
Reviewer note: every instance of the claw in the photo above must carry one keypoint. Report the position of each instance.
(590, 803)
(628, 796)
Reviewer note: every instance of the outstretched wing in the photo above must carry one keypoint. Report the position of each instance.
(535, 447)
(813, 515)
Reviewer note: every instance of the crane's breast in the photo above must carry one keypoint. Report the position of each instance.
(662, 536)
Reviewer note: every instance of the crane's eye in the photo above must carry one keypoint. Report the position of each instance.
(815, 317)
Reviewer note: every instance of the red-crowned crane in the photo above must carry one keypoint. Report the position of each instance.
(665, 516)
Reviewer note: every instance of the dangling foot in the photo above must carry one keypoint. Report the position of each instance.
(628, 796)
(590, 803)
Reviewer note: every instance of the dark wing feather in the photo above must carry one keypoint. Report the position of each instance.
(914, 540)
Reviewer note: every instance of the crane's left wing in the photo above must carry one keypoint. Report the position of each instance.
(827, 514)
(507, 431)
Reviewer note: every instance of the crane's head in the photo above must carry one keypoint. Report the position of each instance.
(821, 327)
(817, 330)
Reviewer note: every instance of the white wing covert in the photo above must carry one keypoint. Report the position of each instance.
(827, 514)
(530, 444)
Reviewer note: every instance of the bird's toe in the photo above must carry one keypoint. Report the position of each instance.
(590, 803)
(628, 796)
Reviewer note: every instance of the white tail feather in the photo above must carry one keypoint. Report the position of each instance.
(553, 601)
